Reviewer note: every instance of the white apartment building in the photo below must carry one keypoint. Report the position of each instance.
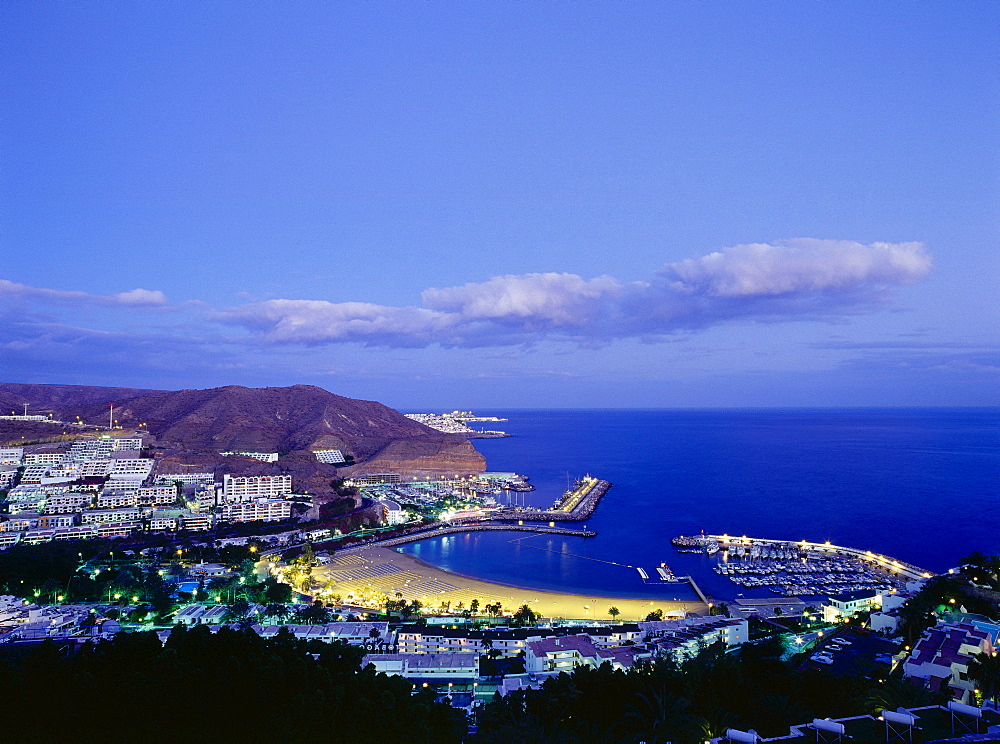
(67, 503)
(7, 477)
(110, 516)
(95, 468)
(35, 504)
(11, 455)
(36, 537)
(262, 456)
(330, 456)
(166, 479)
(119, 529)
(163, 522)
(56, 521)
(20, 523)
(248, 488)
(43, 458)
(438, 667)
(127, 443)
(88, 532)
(262, 510)
(394, 513)
(117, 499)
(155, 495)
(132, 468)
(196, 522)
(90, 449)
(34, 474)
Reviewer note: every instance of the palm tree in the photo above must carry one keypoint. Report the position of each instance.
(659, 716)
(614, 612)
(474, 606)
(985, 669)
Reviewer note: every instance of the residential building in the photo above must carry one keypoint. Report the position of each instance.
(156, 495)
(683, 638)
(95, 468)
(565, 653)
(68, 503)
(196, 522)
(262, 456)
(11, 455)
(940, 659)
(249, 488)
(90, 449)
(117, 499)
(87, 532)
(55, 521)
(437, 668)
(847, 604)
(110, 516)
(127, 443)
(118, 529)
(393, 512)
(21, 522)
(330, 456)
(262, 510)
(166, 479)
(43, 458)
(132, 468)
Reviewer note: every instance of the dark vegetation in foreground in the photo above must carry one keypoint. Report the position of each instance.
(231, 686)
(690, 702)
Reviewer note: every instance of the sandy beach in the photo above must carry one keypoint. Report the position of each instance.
(374, 570)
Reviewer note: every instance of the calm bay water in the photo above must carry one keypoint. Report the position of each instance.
(920, 485)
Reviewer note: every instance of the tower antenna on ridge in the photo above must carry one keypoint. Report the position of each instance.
(111, 417)
(25, 409)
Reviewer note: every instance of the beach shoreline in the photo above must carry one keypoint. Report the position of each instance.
(380, 570)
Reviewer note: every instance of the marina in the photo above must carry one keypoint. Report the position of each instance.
(800, 568)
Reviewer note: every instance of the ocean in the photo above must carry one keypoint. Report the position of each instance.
(920, 485)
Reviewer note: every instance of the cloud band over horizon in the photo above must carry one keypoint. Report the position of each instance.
(800, 279)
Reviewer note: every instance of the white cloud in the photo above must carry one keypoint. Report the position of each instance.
(131, 298)
(785, 280)
(796, 266)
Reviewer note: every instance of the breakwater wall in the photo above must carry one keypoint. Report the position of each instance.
(458, 529)
(581, 508)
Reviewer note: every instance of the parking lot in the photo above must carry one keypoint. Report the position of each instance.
(857, 658)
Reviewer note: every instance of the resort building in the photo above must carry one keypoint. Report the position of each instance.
(393, 512)
(940, 659)
(848, 604)
(564, 653)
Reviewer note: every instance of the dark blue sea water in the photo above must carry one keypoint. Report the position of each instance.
(920, 485)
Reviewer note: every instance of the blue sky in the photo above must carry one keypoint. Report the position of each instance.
(505, 204)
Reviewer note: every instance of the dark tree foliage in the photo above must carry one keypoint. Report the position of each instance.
(686, 703)
(230, 686)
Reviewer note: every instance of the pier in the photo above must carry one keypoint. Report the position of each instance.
(575, 506)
